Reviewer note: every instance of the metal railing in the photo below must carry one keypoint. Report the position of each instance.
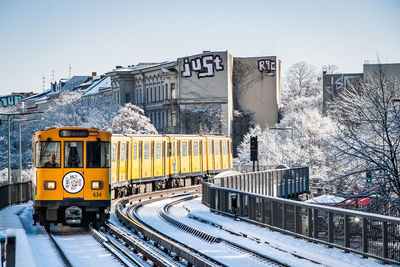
(15, 193)
(285, 183)
(368, 234)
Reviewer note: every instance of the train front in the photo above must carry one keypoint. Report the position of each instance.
(71, 168)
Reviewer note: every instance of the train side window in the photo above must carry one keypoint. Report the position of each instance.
(114, 152)
(201, 148)
(216, 147)
(184, 148)
(204, 147)
(123, 152)
(178, 148)
(128, 151)
(173, 148)
(146, 150)
(158, 150)
(209, 147)
(134, 151)
(224, 147)
(169, 147)
(195, 148)
(73, 154)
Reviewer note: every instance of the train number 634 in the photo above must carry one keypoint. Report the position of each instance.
(97, 194)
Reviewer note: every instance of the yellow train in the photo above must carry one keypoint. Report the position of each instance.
(77, 171)
(145, 163)
(71, 169)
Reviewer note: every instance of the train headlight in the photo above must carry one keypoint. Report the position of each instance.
(97, 185)
(49, 185)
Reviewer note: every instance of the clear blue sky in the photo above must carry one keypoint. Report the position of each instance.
(95, 35)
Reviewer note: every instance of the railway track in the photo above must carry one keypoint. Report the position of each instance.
(164, 213)
(126, 211)
(180, 252)
(63, 256)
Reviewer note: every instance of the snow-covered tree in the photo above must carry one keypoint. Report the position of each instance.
(368, 138)
(131, 120)
(202, 120)
(71, 109)
(301, 80)
(301, 137)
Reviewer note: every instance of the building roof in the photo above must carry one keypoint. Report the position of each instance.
(97, 85)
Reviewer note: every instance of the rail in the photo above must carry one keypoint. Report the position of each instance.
(368, 234)
(15, 193)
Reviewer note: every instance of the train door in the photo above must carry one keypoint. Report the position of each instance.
(201, 154)
(118, 159)
(152, 157)
(140, 156)
(73, 157)
(128, 161)
(122, 165)
(135, 161)
(178, 157)
(114, 167)
(190, 155)
(163, 159)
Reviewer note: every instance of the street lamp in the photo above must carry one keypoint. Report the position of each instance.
(9, 115)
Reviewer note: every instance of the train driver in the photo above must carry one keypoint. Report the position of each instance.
(52, 162)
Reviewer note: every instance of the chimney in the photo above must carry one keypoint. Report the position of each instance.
(206, 51)
(94, 74)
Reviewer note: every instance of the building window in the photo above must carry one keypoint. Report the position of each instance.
(159, 93)
(166, 91)
(173, 91)
(173, 118)
(127, 97)
(147, 95)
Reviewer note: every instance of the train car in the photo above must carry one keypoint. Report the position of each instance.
(71, 168)
(219, 154)
(147, 168)
(187, 158)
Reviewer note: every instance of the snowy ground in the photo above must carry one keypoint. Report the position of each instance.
(281, 247)
(35, 249)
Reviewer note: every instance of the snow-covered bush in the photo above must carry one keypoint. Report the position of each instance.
(131, 120)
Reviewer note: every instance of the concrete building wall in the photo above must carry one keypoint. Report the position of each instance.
(204, 80)
(258, 88)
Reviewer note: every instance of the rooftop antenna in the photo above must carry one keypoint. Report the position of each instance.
(44, 82)
(52, 75)
(70, 71)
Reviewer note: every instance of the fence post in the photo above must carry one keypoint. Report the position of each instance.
(346, 231)
(212, 198)
(10, 249)
(284, 220)
(330, 227)
(385, 239)
(241, 204)
(273, 217)
(364, 235)
(297, 219)
(315, 225)
(310, 222)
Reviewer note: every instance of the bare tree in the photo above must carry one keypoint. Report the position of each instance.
(368, 138)
(302, 79)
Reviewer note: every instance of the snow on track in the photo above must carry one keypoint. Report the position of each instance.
(318, 253)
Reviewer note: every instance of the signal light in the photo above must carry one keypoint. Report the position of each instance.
(368, 174)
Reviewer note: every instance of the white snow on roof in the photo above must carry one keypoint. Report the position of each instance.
(326, 199)
(98, 85)
(226, 174)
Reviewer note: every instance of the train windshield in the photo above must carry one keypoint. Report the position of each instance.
(48, 154)
(98, 154)
(73, 154)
